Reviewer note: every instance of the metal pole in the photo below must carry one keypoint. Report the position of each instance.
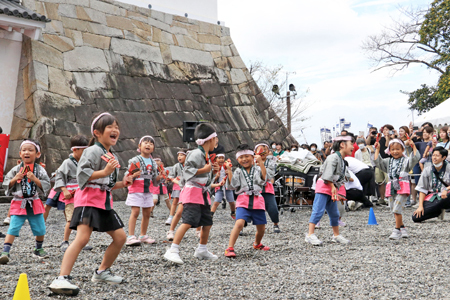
(288, 103)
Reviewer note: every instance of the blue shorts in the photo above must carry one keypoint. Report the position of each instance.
(36, 222)
(55, 203)
(229, 195)
(258, 216)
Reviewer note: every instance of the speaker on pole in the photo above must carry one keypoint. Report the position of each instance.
(188, 130)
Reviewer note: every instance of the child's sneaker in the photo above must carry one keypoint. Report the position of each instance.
(340, 239)
(313, 240)
(169, 221)
(205, 254)
(132, 241)
(224, 204)
(396, 234)
(261, 247)
(40, 253)
(229, 252)
(64, 246)
(276, 229)
(198, 233)
(107, 277)
(233, 216)
(2, 235)
(170, 235)
(7, 221)
(146, 239)
(404, 232)
(173, 256)
(62, 285)
(4, 258)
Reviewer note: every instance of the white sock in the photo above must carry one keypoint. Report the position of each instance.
(175, 247)
(202, 247)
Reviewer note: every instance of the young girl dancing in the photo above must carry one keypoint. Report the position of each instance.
(397, 189)
(220, 189)
(268, 192)
(23, 182)
(174, 176)
(97, 174)
(329, 188)
(144, 172)
(196, 180)
(248, 181)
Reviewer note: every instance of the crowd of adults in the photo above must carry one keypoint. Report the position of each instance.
(369, 184)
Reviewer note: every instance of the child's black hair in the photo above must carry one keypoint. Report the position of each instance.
(185, 150)
(101, 124)
(441, 150)
(243, 147)
(203, 130)
(148, 139)
(78, 141)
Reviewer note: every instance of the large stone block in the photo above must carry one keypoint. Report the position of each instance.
(181, 91)
(91, 81)
(162, 90)
(135, 87)
(135, 124)
(210, 88)
(61, 82)
(85, 59)
(101, 29)
(21, 129)
(209, 39)
(91, 15)
(192, 56)
(53, 106)
(96, 41)
(237, 76)
(134, 66)
(137, 50)
(107, 8)
(61, 43)
(119, 22)
(47, 55)
(67, 10)
(172, 137)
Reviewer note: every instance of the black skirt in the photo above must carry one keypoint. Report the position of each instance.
(99, 219)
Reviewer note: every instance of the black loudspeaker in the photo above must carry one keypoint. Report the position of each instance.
(188, 130)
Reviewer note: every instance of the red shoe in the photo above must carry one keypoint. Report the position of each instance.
(260, 247)
(230, 252)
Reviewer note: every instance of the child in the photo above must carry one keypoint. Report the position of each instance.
(139, 193)
(397, 189)
(97, 174)
(159, 189)
(195, 180)
(23, 182)
(333, 175)
(248, 181)
(220, 189)
(175, 175)
(66, 185)
(268, 191)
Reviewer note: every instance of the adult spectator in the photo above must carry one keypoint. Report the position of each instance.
(278, 149)
(433, 187)
(363, 153)
(372, 136)
(326, 150)
(313, 149)
(381, 177)
(294, 147)
(355, 192)
(364, 173)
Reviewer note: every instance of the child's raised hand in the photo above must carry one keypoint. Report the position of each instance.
(258, 159)
(128, 180)
(136, 174)
(111, 166)
(31, 176)
(18, 177)
(216, 167)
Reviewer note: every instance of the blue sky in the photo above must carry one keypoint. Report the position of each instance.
(321, 41)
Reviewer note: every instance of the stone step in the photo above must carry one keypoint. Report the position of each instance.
(5, 199)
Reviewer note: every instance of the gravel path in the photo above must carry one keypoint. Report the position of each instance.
(371, 267)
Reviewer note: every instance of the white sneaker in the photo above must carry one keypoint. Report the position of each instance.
(351, 204)
(170, 235)
(340, 239)
(358, 205)
(173, 256)
(205, 254)
(396, 235)
(64, 286)
(404, 232)
(7, 221)
(441, 216)
(169, 221)
(107, 277)
(313, 240)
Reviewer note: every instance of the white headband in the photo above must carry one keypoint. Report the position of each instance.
(244, 152)
(388, 152)
(78, 147)
(96, 119)
(202, 141)
(140, 141)
(262, 144)
(31, 143)
(220, 155)
(181, 152)
(157, 159)
(342, 138)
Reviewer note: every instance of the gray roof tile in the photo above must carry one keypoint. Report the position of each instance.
(14, 9)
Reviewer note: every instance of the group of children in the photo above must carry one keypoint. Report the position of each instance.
(84, 181)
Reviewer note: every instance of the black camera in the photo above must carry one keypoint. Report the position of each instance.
(373, 132)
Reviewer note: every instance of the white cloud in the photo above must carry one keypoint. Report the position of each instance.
(321, 41)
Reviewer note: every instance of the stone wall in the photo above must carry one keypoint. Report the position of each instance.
(150, 69)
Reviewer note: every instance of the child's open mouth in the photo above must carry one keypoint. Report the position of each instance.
(113, 137)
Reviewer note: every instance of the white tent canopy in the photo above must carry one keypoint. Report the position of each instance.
(438, 116)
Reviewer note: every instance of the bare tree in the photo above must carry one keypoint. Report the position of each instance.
(267, 76)
(400, 44)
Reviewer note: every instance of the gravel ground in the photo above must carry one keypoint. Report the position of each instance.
(371, 267)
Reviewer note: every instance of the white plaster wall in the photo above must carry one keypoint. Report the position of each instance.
(202, 10)
(9, 69)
